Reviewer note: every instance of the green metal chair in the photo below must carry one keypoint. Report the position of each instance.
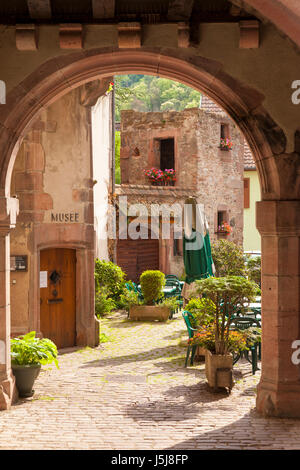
(190, 349)
(132, 286)
(240, 323)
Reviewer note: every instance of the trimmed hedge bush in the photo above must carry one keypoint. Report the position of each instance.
(109, 276)
(152, 283)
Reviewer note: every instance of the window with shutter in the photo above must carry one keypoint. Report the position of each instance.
(246, 193)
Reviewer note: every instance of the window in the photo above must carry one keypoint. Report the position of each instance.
(224, 132)
(222, 217)
(246, 193)
(167, 157)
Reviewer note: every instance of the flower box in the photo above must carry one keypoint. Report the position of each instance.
(149, 313)
(159, 177)
(225, 144)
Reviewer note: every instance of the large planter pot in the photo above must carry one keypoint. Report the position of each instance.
(218, 369)
(25, 378)
(149, 312)
(200, 354)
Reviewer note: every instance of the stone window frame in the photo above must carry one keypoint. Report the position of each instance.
(221, 209)
(162, 135)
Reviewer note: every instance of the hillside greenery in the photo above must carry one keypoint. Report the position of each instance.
(148, 93)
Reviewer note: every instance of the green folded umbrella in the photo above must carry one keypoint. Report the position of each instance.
(197, 257)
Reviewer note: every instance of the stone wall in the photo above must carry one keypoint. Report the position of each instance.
(211, 175)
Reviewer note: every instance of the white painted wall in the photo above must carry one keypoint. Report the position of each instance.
(101, 151)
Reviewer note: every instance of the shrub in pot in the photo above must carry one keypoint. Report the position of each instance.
(229, 294)
(152, 283)
(28, 354)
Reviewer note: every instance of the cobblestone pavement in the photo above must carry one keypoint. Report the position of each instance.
(133, 392)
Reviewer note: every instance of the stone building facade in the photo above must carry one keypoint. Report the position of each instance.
(204, 171)
(55, 241)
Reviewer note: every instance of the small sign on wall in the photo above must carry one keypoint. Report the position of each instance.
(18, 263)
(43, 279)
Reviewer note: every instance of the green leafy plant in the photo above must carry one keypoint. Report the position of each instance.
(254, 269)
(110, 276)
(152, 283)
(228, 259)
(103, 338)
(206, 338)
(170, 302)
(103, 304)
(253, 335)
(229, 294)
(202, 310)
(129, 298)
(29, 350)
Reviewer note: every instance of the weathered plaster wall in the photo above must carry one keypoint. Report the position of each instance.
(51, 177)
(102, 150)
(252, 238)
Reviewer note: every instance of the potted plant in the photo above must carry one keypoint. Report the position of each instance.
(28, 353)
(224, 228)
(203, 314)
(155, 176)
(230, 295)
(152, 283)
(225, 144)
(169, 177)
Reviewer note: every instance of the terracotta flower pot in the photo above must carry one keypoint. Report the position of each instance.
(218, 369)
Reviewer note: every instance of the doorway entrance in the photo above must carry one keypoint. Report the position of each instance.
(58, 296)
(136, 256)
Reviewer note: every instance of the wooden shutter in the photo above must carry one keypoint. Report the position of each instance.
(246, 193)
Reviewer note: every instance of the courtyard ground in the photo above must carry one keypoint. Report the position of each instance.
(133, 392)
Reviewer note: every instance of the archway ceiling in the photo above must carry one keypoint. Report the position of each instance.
(284, 14)
(91, 11)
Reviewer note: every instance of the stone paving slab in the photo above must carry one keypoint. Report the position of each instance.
(134, 393)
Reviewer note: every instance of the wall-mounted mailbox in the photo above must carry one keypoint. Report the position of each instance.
(18, 263)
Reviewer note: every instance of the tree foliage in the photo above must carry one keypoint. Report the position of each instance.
(228, 259)
(254, 269)
(148, 93)
(229, 294)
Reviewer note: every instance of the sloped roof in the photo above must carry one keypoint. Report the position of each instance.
(249, 163)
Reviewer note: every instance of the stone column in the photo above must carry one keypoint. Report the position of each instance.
(279, 387)
(8, 391)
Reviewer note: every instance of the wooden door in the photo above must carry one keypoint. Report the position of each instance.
(136, 256)
(58, 296)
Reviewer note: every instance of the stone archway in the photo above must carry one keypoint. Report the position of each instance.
(279, 389)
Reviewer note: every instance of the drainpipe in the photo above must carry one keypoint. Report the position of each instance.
(113, 138)
(113, 158)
